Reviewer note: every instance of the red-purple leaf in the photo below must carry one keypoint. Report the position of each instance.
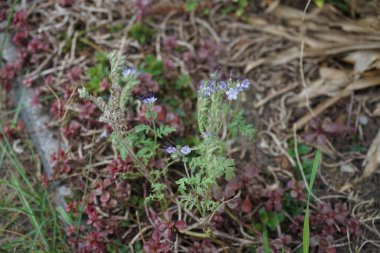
(322, 140)
(246, 206)
(180, 225)
(167, 215)
(250, 172)
(105, 197)
(334, 127)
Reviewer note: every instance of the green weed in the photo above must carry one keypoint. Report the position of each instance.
(306, 228)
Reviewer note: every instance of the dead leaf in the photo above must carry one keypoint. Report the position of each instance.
(376, 111)
(362, 60)
(17, 147)
(357, 85)
(372, 159)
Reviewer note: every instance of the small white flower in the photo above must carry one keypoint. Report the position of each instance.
(83, 93)
(129, 72)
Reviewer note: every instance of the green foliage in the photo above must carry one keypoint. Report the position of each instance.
(126, 97)
(306, 164)
(266, 241)
(238, 125)
(319, 3)
(342, 5)
(31, 202)
(116, 28)
(358, 146)
(271, 219)
(306, 228)
(123, 152)
(163, 131)
(291, 206)
(302, 149)
(141, 32)
(117, 62)
(146, 146)
(142, 128)
(191, 5)
(242, 4)
(194, 191)
(182, 82)
(157, 192)
(6, 29)
(97, 72)
(64, 215)
(204, 165)
(131, 175)
(238, 7)
(209, 162)
(154, 67)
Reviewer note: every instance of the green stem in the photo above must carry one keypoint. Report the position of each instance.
(140, 165)
(155, 132)
(187, 171)
(195, 234)
(165, 169)
(7, 27)
(194, 192)
(202, 236)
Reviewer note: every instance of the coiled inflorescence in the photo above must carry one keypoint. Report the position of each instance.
(229, 87)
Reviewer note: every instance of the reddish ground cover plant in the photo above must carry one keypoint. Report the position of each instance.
(321, 131)
(111, 202)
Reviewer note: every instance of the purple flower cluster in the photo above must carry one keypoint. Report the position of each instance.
(185, 150)
(232, 93)
(243, 85)
(207, 88)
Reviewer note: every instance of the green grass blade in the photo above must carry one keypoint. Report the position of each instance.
(316, 162)
(18, 110)
(306, 232)
(9, 21)
(266, 241)
(306, 227)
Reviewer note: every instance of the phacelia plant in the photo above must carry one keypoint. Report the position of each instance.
(203, 164)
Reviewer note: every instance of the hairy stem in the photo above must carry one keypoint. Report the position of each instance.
(140, 165)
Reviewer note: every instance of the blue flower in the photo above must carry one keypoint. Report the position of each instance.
(211, 86)
(207, 91)
(222, 85)
(170, 150)
(243, 85)
(232, 94)
(185, 150)
(129, 72)
(206, 135)
(149, 100)
(207, 88)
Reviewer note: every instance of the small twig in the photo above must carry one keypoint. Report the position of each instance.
(275, 94)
